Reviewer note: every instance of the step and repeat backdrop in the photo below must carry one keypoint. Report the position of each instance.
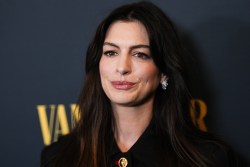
(42, 52)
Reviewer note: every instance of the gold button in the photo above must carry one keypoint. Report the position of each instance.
(123, 162)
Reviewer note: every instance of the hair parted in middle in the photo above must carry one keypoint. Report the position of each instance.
(171, 107)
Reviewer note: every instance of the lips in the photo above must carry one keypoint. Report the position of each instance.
(122, 85)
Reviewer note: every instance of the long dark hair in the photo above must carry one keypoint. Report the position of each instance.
(89, 141)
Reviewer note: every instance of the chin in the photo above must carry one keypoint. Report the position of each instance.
(123, 102)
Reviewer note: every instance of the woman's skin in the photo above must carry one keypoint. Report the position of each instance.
(129, 78)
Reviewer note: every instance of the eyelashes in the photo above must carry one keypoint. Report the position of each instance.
(142, 55)
(139, 55)
(110, 53)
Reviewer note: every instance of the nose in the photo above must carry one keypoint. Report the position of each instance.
(124, 64)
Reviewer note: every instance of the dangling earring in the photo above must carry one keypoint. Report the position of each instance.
(164, 84)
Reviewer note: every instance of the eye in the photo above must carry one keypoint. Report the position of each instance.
(110, 53)
(142, 55)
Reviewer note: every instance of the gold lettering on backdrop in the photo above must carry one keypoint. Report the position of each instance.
(74, 114)
(198, 113)
(46, 126)
(61, 125)
(58, 122)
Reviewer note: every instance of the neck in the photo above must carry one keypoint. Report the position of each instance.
(131, 123)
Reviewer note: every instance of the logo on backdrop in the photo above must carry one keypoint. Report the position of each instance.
(58, 119)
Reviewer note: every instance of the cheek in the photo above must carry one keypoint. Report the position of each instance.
(150, 75)
(103, 68)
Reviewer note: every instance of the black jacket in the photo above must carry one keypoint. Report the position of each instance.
(150, 150)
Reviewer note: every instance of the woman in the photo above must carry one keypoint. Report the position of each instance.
(134, 106)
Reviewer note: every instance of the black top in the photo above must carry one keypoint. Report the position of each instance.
(150, 150)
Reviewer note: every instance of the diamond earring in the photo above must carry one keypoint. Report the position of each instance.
(164, 84)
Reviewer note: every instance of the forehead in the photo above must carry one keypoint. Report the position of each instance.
(127, 31)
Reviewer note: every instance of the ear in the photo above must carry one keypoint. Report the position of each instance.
(163, 77)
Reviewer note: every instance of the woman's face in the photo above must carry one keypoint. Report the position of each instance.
(129, 76)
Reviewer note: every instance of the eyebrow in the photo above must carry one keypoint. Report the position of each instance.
(132, 47)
